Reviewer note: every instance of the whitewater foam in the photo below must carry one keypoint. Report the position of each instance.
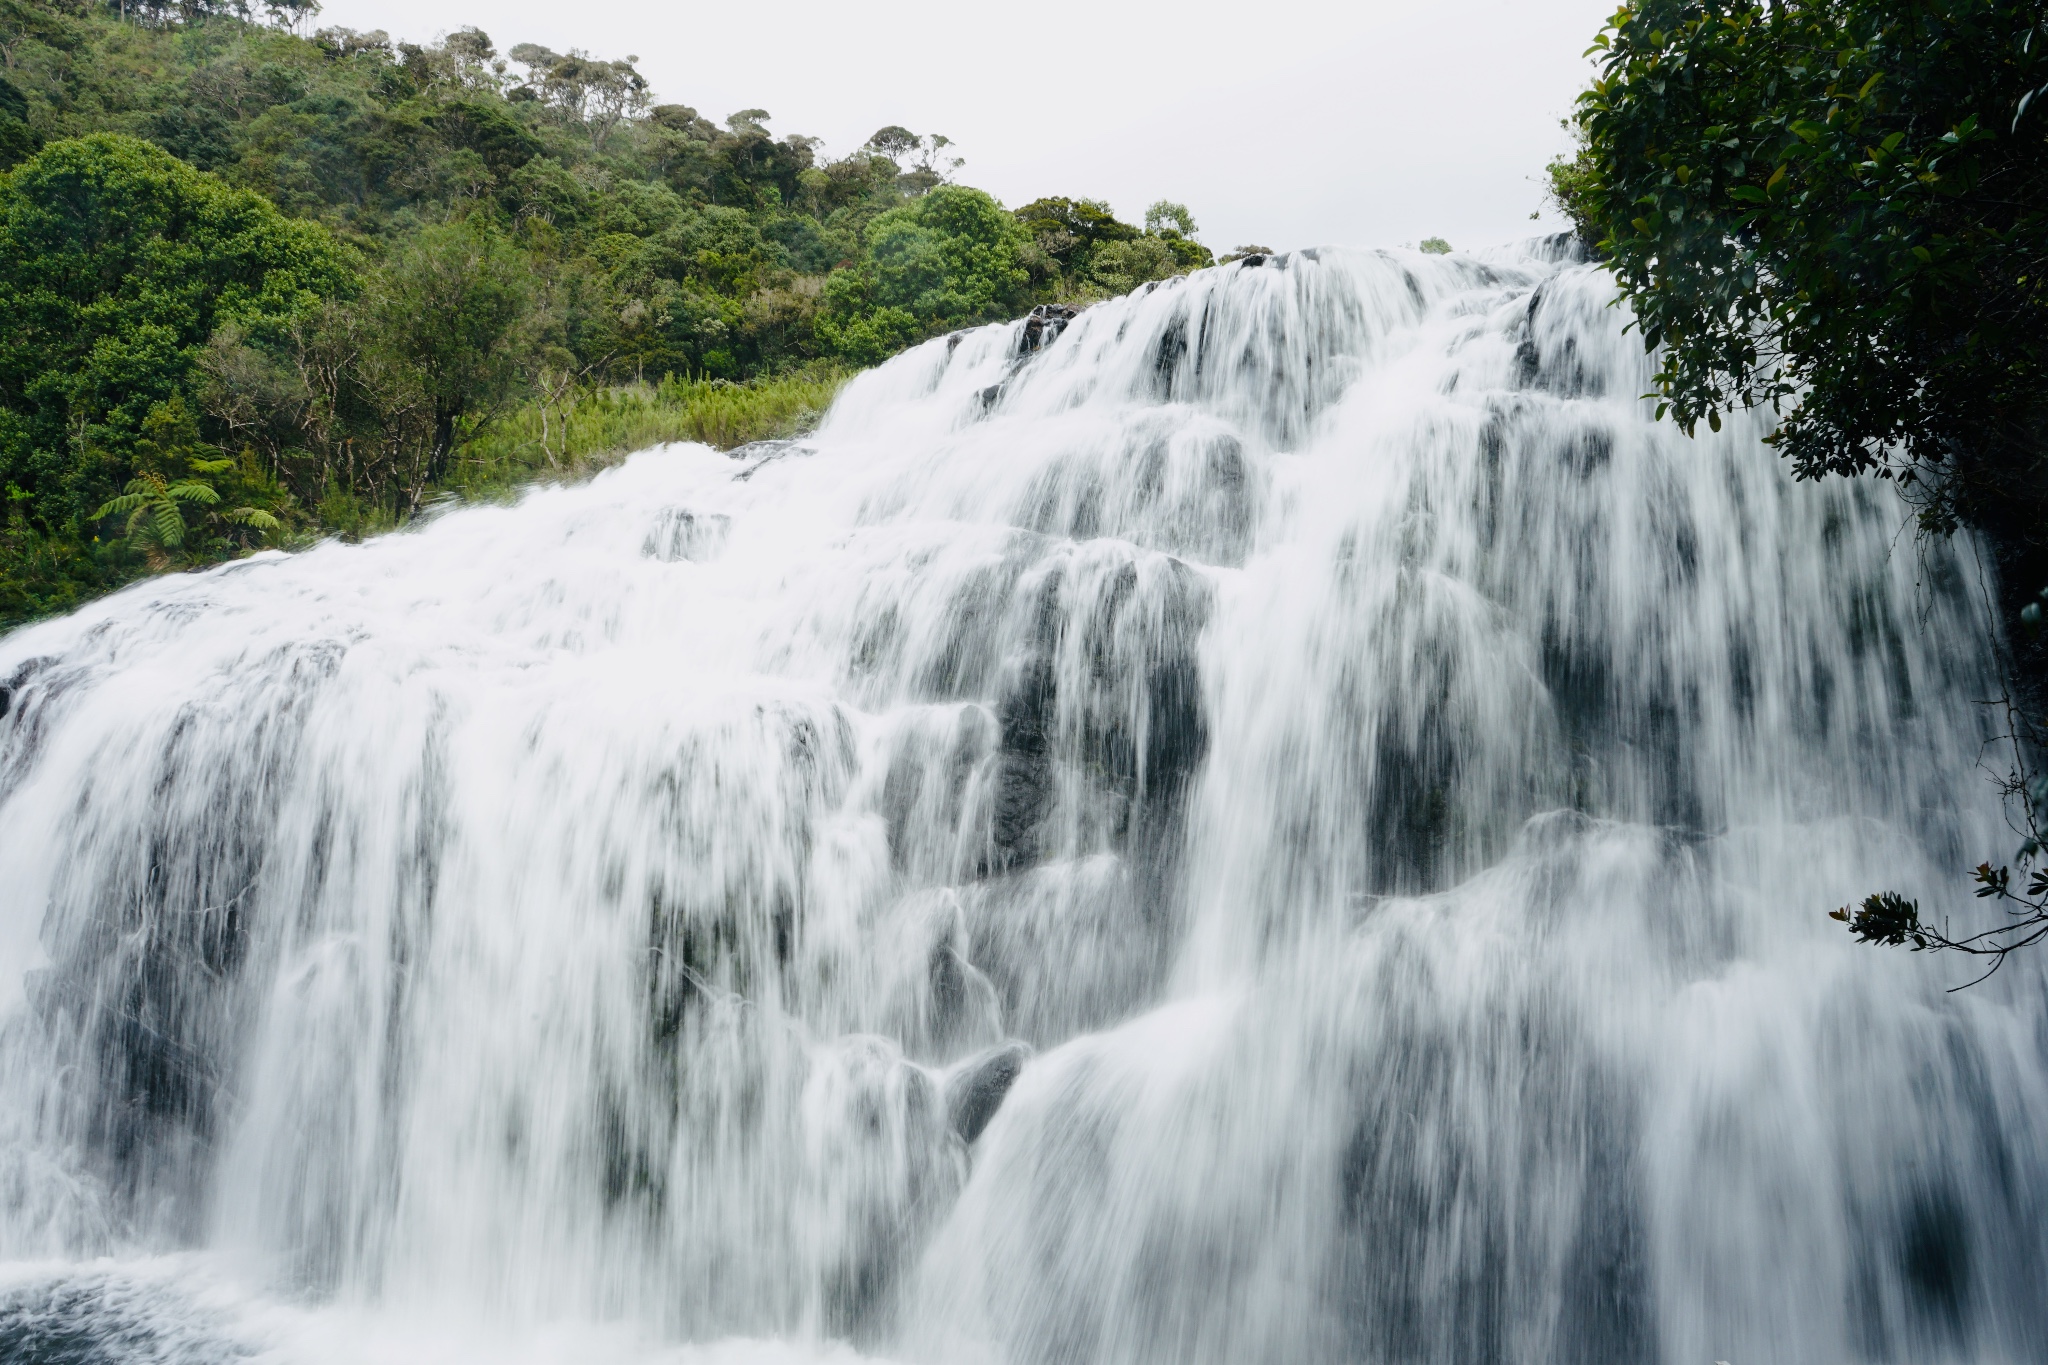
(1385, 784)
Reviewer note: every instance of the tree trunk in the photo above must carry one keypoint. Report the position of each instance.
(444, 446)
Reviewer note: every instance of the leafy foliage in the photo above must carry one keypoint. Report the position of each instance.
(177, 472)
(117, 262)
(446, 307)
(349, 266)
(155, 509)
(1839, 208)
(583, 430)
(17, 139)
(950, 258)
(1890, 920)
(1886, 918)
(1570, 182)
(1081, 251)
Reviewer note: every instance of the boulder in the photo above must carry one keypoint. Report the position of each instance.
(1046, 321)
(975, 1089)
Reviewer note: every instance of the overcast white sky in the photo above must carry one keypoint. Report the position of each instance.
(1288, 123)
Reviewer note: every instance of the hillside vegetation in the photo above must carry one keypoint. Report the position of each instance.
(260, 285)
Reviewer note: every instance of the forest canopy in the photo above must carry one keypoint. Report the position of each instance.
(318, 277)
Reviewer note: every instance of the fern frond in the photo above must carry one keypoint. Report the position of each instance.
(114, 507)
(170, 525)
(191, 490)
(252, 516)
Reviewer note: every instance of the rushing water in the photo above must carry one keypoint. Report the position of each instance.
(1289, 821)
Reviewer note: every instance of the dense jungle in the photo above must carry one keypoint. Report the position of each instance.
(263, 282)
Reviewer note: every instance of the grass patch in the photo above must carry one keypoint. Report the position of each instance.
(586, 430)
(573, 437)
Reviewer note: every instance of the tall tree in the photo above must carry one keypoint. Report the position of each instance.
(447, 308)
(117, 261)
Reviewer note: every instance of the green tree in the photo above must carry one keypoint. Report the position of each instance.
(1839, 208)
(1069, 232)
(597, 94)
(23, 22)
(448, 308)
(1569, 185)
(1120, 267)
(952, 258)
(1167, 216)
(1172, 224)
(17, 139)
(117, 261)
(1081, 250)
(535, 241)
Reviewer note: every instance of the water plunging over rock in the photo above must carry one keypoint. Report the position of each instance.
(1283, 817)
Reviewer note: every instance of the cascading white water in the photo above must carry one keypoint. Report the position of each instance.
(1288, 821)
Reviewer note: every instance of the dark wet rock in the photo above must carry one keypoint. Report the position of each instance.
(961, 1005)
(1045, 323)
(897, 1169)
(144, 978)
(925, 795)
(1169, 354)
(1068, 946)
(1146, 754)
(28, 669)
(1027, 708)
(1071, 735)
(969, 650)
(1181, 488)
(1547, 356)
(946, 1009)
(1026, 714)
(680, 534)
(1400, 1279)
(756, 454)
(1022, 799)
(1177, 739)
(1567, 248)
(976, 1088)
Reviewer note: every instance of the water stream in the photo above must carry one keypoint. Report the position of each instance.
(1288, 820)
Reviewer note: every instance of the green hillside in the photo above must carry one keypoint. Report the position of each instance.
(260, 285)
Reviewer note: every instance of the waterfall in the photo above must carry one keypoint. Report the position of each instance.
(1283, 818)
